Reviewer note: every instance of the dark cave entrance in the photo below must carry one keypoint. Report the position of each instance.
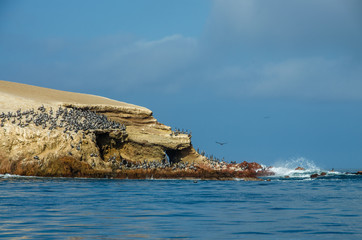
(102, 141)
(172, 156)
(107, 145)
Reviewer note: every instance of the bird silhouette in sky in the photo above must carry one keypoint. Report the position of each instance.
(221, 143)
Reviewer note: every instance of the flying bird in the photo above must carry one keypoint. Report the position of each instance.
(221, 143)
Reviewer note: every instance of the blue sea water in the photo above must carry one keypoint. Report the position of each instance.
(298, 207)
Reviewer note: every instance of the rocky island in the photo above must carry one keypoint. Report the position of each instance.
(52, 133)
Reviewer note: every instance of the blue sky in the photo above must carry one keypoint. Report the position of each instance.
(276, 80)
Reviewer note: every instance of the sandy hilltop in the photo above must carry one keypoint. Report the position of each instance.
(47, 132)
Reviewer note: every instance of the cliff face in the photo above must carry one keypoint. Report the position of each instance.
(54, 133)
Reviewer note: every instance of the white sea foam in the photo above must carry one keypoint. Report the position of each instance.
(7, 175)
(288, 168)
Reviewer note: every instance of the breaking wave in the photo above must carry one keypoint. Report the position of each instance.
(13, 176)
(6, 175)
(288, 168)
(302, 168)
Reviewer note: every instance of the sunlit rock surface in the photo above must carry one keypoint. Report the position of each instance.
(46, 132)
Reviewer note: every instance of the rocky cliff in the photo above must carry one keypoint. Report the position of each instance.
(47, 132)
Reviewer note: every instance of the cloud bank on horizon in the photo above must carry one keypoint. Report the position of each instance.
(247, 49)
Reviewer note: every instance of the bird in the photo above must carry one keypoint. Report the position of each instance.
(221, 143)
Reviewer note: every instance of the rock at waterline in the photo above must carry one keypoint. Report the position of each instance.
(46, 132)
(40, 126)
(300, 168)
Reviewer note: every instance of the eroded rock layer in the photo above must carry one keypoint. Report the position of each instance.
(46, 132)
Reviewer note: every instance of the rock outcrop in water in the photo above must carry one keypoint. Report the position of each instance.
(46, 132)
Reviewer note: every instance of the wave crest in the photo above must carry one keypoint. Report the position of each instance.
(289, 168)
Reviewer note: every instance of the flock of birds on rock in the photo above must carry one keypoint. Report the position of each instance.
(178, 131)
(76, 119)
(124, 164)
(82, 120)
(215, 162)
(150, 165)
(211, 157)
(69, 119)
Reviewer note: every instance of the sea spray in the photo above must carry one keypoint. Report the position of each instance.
(288, 168)
(7, 175)
(302, 169)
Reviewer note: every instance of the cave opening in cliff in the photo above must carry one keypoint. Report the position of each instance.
(102, 141)
(107, 145)
(172, 156)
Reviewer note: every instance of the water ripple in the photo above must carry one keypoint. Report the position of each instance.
(51, 208)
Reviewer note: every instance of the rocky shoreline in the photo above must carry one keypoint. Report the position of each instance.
(51, 133)
(69, 167)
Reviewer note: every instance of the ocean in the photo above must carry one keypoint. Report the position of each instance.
(298, 207)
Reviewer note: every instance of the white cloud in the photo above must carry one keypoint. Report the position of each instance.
(114, 63)
(140, 62)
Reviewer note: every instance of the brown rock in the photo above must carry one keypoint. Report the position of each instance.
(250, 166)
(323, 173)
(359, 173)
(300, 168)
(315, 175)
(27, 148)
(145, 139)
